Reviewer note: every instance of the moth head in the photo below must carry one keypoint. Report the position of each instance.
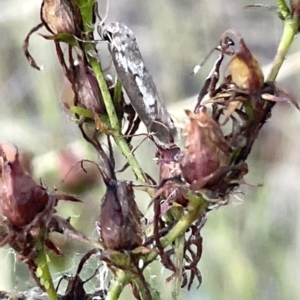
(106, 34)
(113, 31)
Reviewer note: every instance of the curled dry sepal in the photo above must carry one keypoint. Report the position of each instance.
(27, 208)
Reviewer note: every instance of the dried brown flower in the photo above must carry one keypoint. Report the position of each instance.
(120, 218)
(21, 198)
(205, 149)
(61, 16)
(246, 72)
(87, 87)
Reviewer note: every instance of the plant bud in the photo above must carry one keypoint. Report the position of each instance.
(21, 199)
(88, 89)
(120, 218)
(205, 149)
(61, 16)
(246, 72)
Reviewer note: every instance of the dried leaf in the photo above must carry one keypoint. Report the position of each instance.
(274, 98)
(29, 57)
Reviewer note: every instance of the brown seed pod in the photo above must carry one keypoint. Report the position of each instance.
(205, 149)
(61, 16)
(87, 88)
(120, 218)
(21, 198)
(295, 7)
(245, 70)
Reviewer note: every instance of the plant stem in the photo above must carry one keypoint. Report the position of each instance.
(290, 28)
(42, 271)
(117, 285)
(197, 205)
(114, 122)
(178, 261)
(154, 295)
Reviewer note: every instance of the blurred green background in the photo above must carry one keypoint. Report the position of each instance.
(251, 246)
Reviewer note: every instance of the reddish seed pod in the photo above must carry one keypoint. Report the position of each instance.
(61, 16)
(87, 88)
(120, 218)
(21, 199)
(205, 149)
(245, 70)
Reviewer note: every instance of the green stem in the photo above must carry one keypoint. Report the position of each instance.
(142, 291)
(290, 28)
(283, 9)
(117, 285)
(179, 253)
(42, 271)
(114, 122)
(118, 92)
(111, 112)
(197, 206)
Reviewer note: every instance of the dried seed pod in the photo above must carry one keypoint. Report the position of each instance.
(21, 199)
(120, 218)
(205, 149)
(61, 16)
(246, 72)
(87, 88)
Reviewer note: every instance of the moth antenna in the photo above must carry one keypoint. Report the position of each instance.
(198, 67)
(105, 16)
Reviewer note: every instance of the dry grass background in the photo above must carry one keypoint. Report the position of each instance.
(252, 246)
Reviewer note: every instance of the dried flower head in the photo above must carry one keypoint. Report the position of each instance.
(87, 88)
(120, 218)
(61, 16)
(246, 72)
(205, 149)
(21, 198)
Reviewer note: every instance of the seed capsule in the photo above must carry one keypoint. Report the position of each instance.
(205, 149)
(120, 218)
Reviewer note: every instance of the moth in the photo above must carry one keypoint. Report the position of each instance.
(138, 82)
